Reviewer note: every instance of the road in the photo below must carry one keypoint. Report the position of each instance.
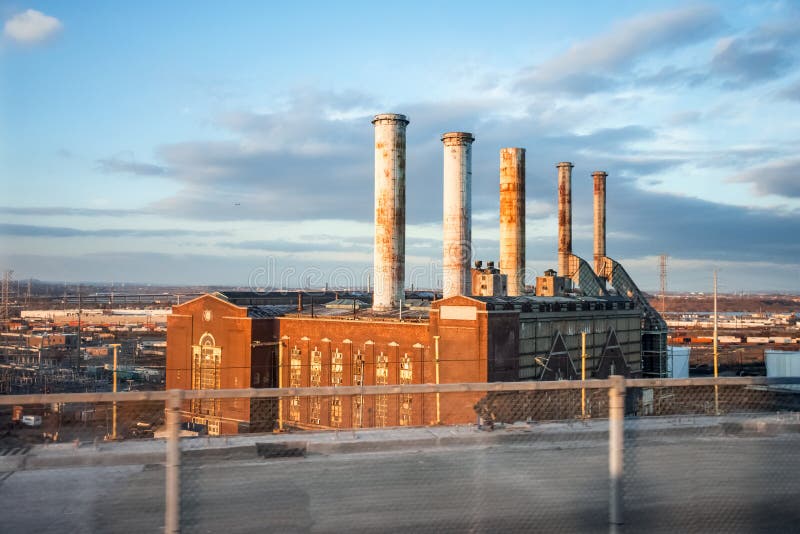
(672, 484)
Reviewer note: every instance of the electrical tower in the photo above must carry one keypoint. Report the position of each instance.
(5, 290)
(662, 263)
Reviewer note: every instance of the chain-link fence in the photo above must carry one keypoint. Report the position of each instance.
(649, 454)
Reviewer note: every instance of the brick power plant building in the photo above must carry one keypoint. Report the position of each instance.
(484, 328)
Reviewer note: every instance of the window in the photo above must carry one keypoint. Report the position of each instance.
(316, 381)
(337, 372)
(206, 360)
(382, 370)
(381, 379)
(213, 427)
(295, 372)
(358, 369)
(316, 368)
(406, 401)
(295, 368)
(336, 411)
(358, 380)
(337, 368)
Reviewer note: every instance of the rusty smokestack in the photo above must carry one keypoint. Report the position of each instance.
(390, 210)
(457, 216)
(564, 216)
(599, 220)
(512, 218)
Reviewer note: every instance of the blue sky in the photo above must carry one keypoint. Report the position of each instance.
(190, 142)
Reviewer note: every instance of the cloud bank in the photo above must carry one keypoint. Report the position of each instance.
(31, 27)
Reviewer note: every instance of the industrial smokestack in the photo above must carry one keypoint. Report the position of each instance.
(390, 210)
(457, 216)
(512, 218)
(599, 220)
(564, 216)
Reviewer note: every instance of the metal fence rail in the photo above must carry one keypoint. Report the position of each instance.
(616, 387)
(263, 393)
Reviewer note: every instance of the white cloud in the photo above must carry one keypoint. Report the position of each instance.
(592, 65)
(31, 27)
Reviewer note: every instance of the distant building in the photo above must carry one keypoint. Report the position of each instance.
(487, 281)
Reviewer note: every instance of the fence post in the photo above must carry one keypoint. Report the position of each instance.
(172, 514)
(616, 430)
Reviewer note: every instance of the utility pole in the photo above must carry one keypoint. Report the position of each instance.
(583, 374)
(114, 389)
(438, 399)
(663, 274)
(6, 293)
(78, 362)
(716, 354)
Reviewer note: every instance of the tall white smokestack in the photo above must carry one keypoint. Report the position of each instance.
(564, 217)
(390, 210)
(457, 216)
(512, 218)
(599, 220)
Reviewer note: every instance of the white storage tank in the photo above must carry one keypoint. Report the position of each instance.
(782, 363)
(678, 361)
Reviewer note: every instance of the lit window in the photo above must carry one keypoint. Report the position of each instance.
(316, 381)
(358, 380)
(337, 371)
(336, 411)
(337, 368)
(382, 370)
(406, 377)
(316, 368)
(358, 369)
(206, 360)
(381, 379)
(295, 371)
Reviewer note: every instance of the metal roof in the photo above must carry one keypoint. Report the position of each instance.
(268, 311)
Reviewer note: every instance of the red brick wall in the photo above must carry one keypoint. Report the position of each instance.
(232, 332)
(382, 335)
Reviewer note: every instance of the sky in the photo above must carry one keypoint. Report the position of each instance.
(230, 143)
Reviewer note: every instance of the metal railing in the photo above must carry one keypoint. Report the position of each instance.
(616, 386)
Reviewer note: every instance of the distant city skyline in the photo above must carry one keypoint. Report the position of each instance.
(195, 143)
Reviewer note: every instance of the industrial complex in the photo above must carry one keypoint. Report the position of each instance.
(483, 327)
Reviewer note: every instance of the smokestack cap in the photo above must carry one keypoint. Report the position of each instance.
(600, 173)
(565, 164)
(390, 117)
(457, 138)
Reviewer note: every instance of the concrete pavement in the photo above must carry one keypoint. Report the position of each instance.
(687, 474)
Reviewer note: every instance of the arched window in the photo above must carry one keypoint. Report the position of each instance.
(206, 362)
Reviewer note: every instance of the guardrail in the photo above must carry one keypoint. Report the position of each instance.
(616, 386)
